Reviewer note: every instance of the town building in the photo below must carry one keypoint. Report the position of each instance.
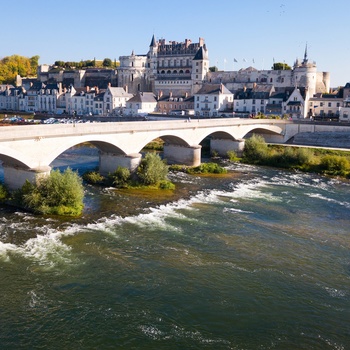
(141, 104)
(213, 100)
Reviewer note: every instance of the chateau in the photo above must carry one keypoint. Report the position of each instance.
(179, 76)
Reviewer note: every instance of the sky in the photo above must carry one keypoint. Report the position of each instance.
(255, 32)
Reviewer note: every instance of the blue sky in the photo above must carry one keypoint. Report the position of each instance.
(259, 30)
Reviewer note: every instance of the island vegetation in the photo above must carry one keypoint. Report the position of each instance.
(61, 193)
(151, 173)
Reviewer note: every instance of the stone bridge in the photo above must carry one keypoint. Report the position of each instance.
(27, 151)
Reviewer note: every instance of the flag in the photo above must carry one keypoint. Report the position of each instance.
(244, 60)
(234, 60)
(253, 60)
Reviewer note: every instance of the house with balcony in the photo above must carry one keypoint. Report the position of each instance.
(253, 100)
(325, 106)
(213, 100)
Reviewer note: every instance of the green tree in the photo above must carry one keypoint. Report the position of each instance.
(255, 149)
(281, 66)
(58, 194)
(107, 62)
(213, 69)
(152, 169)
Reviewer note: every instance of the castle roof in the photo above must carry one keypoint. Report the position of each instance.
(201, 53)
(153, 42)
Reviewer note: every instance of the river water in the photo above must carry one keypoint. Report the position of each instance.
(256, 259)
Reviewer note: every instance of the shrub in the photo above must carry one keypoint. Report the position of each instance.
(255, 150)
(232, 155)
(166, 185)
(93, 177)
(3, 193)
(152, 169)
(207, 168)
(59, 194)
(120, 177)
(214, 153)
(333, 164)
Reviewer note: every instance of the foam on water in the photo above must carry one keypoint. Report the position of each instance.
(331, 200)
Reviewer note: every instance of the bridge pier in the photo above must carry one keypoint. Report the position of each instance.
(109, 162)
(15, 177)
(222, 146)
(176, 154)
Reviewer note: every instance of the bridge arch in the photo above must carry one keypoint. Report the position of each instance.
(270, 133)
(14, 158)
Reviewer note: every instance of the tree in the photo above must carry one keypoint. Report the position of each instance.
(57, 194)
(152, 169)
(281, 66)
(107, 62)
(255, 149)
(14, 65)
(213, 69)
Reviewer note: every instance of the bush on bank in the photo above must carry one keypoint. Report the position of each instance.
(57, 194)
(326, 162)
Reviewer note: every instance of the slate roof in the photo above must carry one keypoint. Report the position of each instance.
(144, 97)
(201, 54)
(118, 91)
(213, 89)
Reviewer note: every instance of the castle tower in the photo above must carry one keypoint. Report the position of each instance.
(305, 75)
(200, 67)
(152, 62)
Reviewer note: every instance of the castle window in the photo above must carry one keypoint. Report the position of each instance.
(329, 104)
(196, 63)
(271, 80)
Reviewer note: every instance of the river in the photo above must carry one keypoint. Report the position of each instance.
(255, 259)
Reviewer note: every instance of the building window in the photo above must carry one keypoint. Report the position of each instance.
(329, 104)
(214, 98)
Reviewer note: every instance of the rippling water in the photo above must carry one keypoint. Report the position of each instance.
(257, 259)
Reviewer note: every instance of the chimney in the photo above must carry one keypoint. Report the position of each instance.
(170, 94)
(125, 88)
(186, 94)
(109, 84)
(88, 88)
(160, 94)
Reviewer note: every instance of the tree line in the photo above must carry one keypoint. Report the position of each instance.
(106, 63)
